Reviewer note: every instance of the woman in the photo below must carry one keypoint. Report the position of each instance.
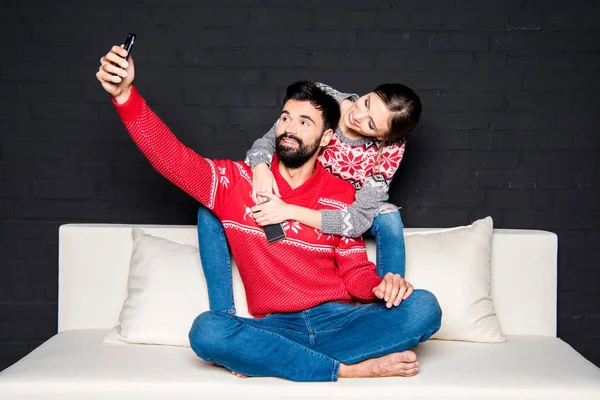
(366, 150)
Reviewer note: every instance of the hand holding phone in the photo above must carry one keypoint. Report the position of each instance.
(128, 45)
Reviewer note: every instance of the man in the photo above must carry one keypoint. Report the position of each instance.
(302, 288)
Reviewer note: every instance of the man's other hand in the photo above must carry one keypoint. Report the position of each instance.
(393, 289)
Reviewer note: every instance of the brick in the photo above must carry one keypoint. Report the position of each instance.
(64, 111)
(15, 189)
(61, 34)
(456, 62)
(194, 96)
(458, 42)
(555, 140)
(255, 116)
(562, 100)
(579, 301)
(521, 63)
(329, 18)
(8, 91)
(522, 43)
(423, 62)
(585, 324)
(520, 180)
(313, 39)
(490, 179)
(51, 91)
(578, 41)
(383, 40)
(522, 100)
(30, 229)
(197, 57)
(487, 140)
(279, 58)
(582, 120)
(487, 101)
(558, 62)
(554, 181)
(8, 131)
(392, 19)
(587, 181)
(480, 160)
(589, 20)
(586, 140)
(517, 219)
(262, 96)
(17, 350)
(561, 220)
(392, 61)
(15, 109)
(569, 162)
(491, 61)
(481, 81)
(522, 120)
(325, 59)
(46, 209)
(452, 198)
(454, 139)
(510, 199)
(357, 19)
(33, 151)
(32, 330)
(520, 140)
(586, 101)
(445, 101)
(63, 190)
(459, 120)
(457, 21)
(230, 96)
(560, 21)
(496, 20)
(357, 59)
(573, 200)
(525, 22)
(424, 21)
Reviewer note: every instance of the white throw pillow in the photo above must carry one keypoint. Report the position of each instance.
(167, 291)
(455, 265)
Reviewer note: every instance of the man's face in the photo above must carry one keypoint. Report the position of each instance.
(299, 133)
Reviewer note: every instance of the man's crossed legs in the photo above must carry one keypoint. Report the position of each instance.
(323, 343)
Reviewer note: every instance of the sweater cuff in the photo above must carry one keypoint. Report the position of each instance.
(331, 222)
(132, 108)
(254, 159)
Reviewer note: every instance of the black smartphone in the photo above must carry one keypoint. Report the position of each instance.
(274, 232)
(127, 45)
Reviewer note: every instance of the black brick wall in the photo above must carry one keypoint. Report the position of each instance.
(510, 129)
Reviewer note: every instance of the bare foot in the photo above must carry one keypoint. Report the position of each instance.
(238, 375)
(403, 364)
(214, 364)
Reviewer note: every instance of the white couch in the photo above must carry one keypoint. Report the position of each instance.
(93, 271)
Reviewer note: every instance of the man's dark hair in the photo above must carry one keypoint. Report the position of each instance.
(307, 91)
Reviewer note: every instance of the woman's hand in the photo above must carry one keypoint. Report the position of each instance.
(263, 181)
(115, 80)
(273, 211)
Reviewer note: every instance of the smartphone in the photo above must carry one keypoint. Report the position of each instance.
(127, 45)
(274, 232)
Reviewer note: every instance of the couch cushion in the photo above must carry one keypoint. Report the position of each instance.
(75, 365)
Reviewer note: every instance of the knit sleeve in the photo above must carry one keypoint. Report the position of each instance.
(262, 149)
(358, 218)
(358, 273)
(199, 177)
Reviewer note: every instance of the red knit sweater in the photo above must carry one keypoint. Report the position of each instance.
(305, 269)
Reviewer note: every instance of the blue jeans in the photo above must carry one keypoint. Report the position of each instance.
(214, 255)
(308, 346)
(387, 229)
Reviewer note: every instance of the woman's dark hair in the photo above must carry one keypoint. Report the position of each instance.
(307, 91)
(405, 106)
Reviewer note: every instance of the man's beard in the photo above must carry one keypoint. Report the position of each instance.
(295, 157)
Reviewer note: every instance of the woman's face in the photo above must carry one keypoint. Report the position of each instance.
(368, 116)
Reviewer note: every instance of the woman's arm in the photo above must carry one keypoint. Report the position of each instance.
(358, 218)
